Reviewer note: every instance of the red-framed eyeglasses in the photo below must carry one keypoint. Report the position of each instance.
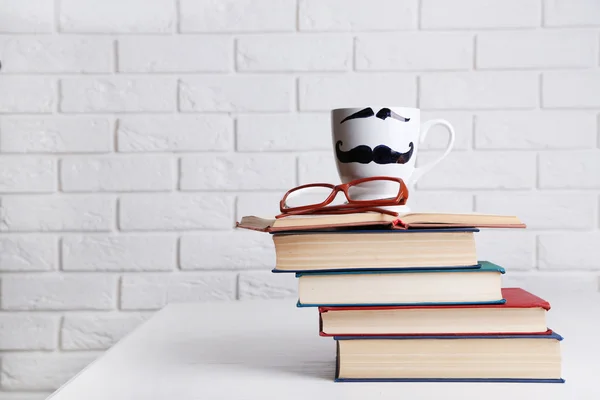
(357, 196)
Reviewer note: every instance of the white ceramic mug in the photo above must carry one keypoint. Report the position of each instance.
(382, 140)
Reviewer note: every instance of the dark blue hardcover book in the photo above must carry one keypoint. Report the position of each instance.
(552, 335)
(481, 266)
(377, 270)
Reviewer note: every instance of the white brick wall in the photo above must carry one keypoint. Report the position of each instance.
(134, 133)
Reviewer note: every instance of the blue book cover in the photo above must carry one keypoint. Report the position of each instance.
(481, 266)
(553, 335)
(351, 231)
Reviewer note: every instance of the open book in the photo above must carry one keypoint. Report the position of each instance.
(405, 221)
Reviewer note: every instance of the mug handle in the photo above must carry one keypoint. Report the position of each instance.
(420, 171)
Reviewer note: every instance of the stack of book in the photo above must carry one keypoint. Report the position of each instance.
(406, 298)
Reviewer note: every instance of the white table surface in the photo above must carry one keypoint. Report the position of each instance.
(269, 349)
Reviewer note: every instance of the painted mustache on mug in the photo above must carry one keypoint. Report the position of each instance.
(380, 154)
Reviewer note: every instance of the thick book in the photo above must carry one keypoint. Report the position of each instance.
(404, 221)
(402, 287)
(522, 313)
(501, 358)
(373, 249)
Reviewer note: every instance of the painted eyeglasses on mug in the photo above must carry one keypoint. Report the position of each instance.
(321, 197)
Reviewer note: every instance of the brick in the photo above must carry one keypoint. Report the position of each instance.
(41, 371)
(284, 132)
(480, 90)
(235, 93)
(512, 249)
(542, 210)
(294, 53)
(323, 93)
(569, 251)
(57, 213)
(23, 16)
(179, 133)
(29, 94)
(240, 171)
(227, 250)
(125, 16)
(258, 204)
(437, 138)
(237, 15)
(97, 332)
(55, 54)
(355, 15)
(480, 14)
(27, 174)
(119, 253)
(514, 130)
(482, 170)
(421, 51)
(28, 253)
(117, 94)
(570, 89)
(59, 292)
(317, 167)
(117, 173)
(153, 291)
(55, 135)
(570, 170)
(571, 13)
(175, 212)
(28, 332)
(553, 285)
(266, 285)
(537, 49)
(175, 54)
(427, 201)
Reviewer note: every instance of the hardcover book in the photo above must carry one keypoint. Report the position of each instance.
(402, 287)
(374, 249)
(500, 358)
(522, 313)
(405, 221)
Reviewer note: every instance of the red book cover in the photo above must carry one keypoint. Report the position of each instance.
(515, 298)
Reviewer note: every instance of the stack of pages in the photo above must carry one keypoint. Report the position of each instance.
(406, 298)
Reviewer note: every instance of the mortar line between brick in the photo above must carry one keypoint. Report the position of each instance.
(296, 94)
(236, 134)
(59, 167)
(178, 173)
(61, 323)
(297, 10)
(119, 292)
(56, 16)
(58, 90)
(117, 228)
(115, 55)
(60, 255)
(114, 125)
(177, 16)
